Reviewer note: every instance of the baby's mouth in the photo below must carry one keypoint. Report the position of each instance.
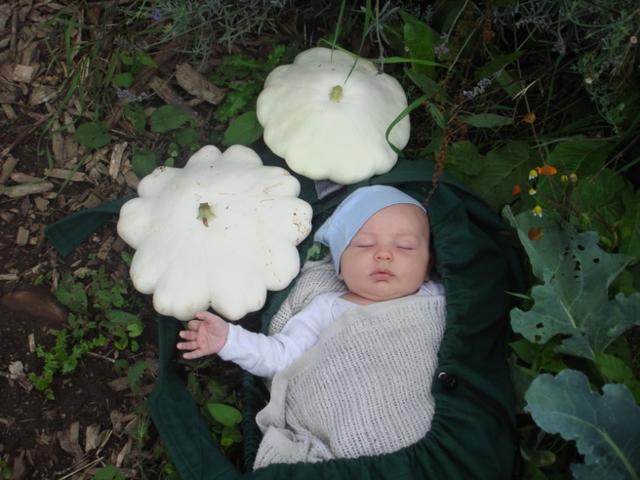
(381, 275)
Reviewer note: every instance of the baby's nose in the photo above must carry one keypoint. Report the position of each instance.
(383, 254)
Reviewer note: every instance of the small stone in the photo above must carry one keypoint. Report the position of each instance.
(36, 302)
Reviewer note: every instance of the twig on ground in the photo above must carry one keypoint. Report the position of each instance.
(84, 467)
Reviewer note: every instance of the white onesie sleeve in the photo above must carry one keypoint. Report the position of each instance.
(264, 355)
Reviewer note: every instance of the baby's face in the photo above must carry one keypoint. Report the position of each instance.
(388, 257)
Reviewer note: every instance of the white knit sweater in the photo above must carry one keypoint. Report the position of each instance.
(363, 389)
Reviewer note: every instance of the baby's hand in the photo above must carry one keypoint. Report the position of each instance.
(205, 336)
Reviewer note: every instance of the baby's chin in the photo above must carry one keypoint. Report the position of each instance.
(373, 296)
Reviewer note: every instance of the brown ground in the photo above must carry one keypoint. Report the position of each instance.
(95, 418)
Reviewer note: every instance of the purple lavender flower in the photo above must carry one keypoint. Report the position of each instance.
(155, 15)
(123, 93)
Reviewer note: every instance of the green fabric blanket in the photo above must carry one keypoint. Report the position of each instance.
(472, 435)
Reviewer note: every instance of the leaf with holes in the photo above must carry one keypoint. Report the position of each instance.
(606, 427)
(573, 301)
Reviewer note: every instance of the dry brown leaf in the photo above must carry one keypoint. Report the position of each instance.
(92, 437)
(18, 470)
(197, 85)
(22, 236)
(41, 94)
(57, 143)
(9, 111)
(119, 384)
(131, 179)
(68, 123)
(9, 95)
(5, 14)
(105, 248)
(42, 204)
(28, 53)
(63, 174)
(23, 73)
(68, 440)
(116, 159)
(7, 168)
(70, 148)
(16, 372)
(18, 191)
(20, 177)
(6, 71)
(124, 452)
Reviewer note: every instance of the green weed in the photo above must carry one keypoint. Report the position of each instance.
(96, 318)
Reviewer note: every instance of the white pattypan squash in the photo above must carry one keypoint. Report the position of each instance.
(329, 121)
(217, 233)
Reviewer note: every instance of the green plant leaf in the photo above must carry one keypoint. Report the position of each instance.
(630, 225)
(498, 62)
(614, 369)
(187, 136)
(126, 58)
(225, 414)
(418, 40)
(110, 472)
(135, 373)
(426, 84)
(167, 118)
(599, 198)
(573, 299)
(144, 59)
(143, 162)
(540, 458)
(606, 427)
(229, 436)
(502, 168)
(92, 135)
(123, 80)
(584, 156)
(464, 157)
(71, 294)
(486, 120)
(244, 130)
(437, 116)
(135, 114)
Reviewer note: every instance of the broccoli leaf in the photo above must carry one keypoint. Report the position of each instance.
(573, 300)
(606, 427)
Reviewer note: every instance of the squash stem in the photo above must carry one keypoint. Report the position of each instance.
(336, 94)
(205, 213)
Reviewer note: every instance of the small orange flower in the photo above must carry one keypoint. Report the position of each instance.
(516, 190)
(547, 170)
(535, 234)
(529, 117)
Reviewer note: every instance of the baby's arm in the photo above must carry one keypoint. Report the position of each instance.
(259, 354)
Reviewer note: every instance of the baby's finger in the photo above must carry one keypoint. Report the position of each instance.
(188, 334)
(194, 324)
(192, 355)
(187, 345)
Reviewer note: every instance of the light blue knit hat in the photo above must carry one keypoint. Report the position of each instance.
(354, 211)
